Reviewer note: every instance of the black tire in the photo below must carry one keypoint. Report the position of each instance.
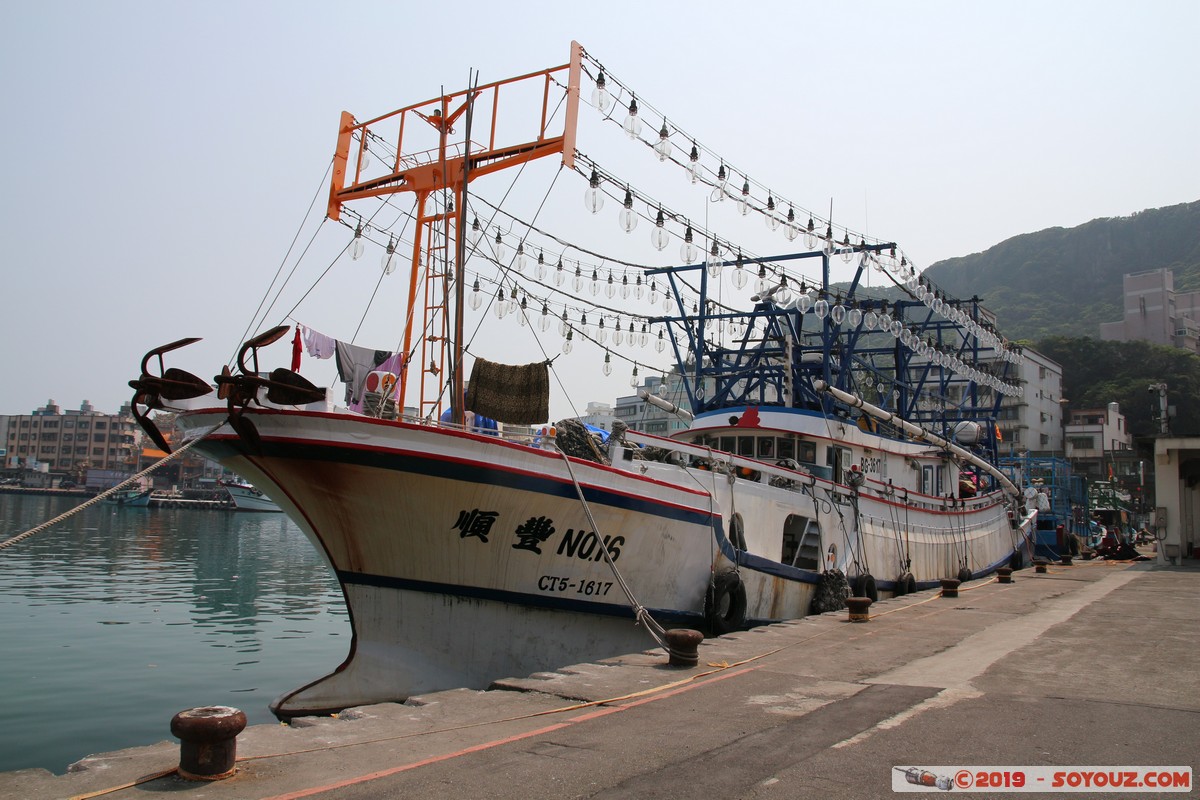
(964, 574)
(726, 606)
(905, 584)
(831, 593)
(864, 586)
(1016, 561)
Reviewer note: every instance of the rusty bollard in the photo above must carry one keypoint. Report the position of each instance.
(1065, 558)
(950, 587)
(681, 647)
(857, 606)
(207, 741)
(1004, 574)
(1039, 566)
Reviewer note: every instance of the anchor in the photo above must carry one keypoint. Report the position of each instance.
(283, 386)
(169, 384)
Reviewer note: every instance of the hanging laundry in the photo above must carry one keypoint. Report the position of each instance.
(296, 350)
(318, 344)
(517, 395)
(354, 363)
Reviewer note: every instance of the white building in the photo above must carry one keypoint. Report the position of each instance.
(1034, 422)
(1155, 312)
(1099, 443)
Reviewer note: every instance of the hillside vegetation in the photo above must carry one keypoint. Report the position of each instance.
(1066, 281)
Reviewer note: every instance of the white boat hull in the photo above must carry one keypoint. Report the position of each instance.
(466, 558)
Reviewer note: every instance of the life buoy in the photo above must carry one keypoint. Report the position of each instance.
(726, 603)
(864, 586)
(905, 584)
(1016, 560)
(964, 574)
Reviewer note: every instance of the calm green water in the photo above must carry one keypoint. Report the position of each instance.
(116, 619)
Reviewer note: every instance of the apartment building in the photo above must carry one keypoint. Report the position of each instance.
(72, 440)
(1155, 312)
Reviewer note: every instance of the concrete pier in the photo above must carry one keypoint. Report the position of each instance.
(1089, 664)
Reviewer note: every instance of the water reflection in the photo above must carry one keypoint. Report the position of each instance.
(117, 618)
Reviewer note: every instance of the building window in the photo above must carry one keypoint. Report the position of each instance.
(1083, 442)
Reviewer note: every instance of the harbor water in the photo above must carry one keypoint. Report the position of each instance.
(117, 618)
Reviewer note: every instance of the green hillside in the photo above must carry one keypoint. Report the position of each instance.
(1066, 281)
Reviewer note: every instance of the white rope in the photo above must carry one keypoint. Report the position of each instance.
(100, 497)
(656, 631)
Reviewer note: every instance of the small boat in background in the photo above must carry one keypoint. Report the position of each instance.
(246, 498)
(130, 498)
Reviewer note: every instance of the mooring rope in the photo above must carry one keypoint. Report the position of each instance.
(656, 631)
(100, 497)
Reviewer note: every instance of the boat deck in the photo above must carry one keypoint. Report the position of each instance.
(1003, 674)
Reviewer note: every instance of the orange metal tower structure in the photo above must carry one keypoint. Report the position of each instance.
(426, 167)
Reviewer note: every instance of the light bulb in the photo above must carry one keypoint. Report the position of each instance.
(610, 288)
(897, 329)
(624, 287)
(601, 97)
(870, 320)
(365, 159)
(566, 348)
(761, 284)
(662, 148)
(633, 124)
(821, 308)
(740, 277)
(521, 314)
(718, 192)
(771, 220)
(577, 282)
(885, 322)
(744, 202)
(714, 261)
(607, 363)
(783, 295)
(791, 231)
(595, 285)
(563, 325)
(544, 321)
(500, 307)
(388, 262)
(498, 248)
(661, 344)
(476, 299)
(687, 250)
(810, 235)
(804, 302)
(854, 317)
(560, 274)
(475, 232)
(618, 334)
(540, 271)
(838, 314)
(628, 217)
(653, 292)
(638, 289)
(593, 196)
(519, 261)
(633, 379)
(694, 164)
(356, 247)
(659, 236)
(643, 335)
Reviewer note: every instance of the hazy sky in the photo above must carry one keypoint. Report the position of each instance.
(162, 156)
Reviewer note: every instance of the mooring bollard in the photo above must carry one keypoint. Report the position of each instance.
(682, 644)
(857, 606)
(207, 741)
(1039, 566)
(1004, 574)
(950, 587)
(1065, 559)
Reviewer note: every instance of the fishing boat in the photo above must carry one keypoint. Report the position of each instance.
(130, 498)
(245, 497)
(831, 441)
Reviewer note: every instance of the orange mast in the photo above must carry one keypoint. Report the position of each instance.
(442, 167)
